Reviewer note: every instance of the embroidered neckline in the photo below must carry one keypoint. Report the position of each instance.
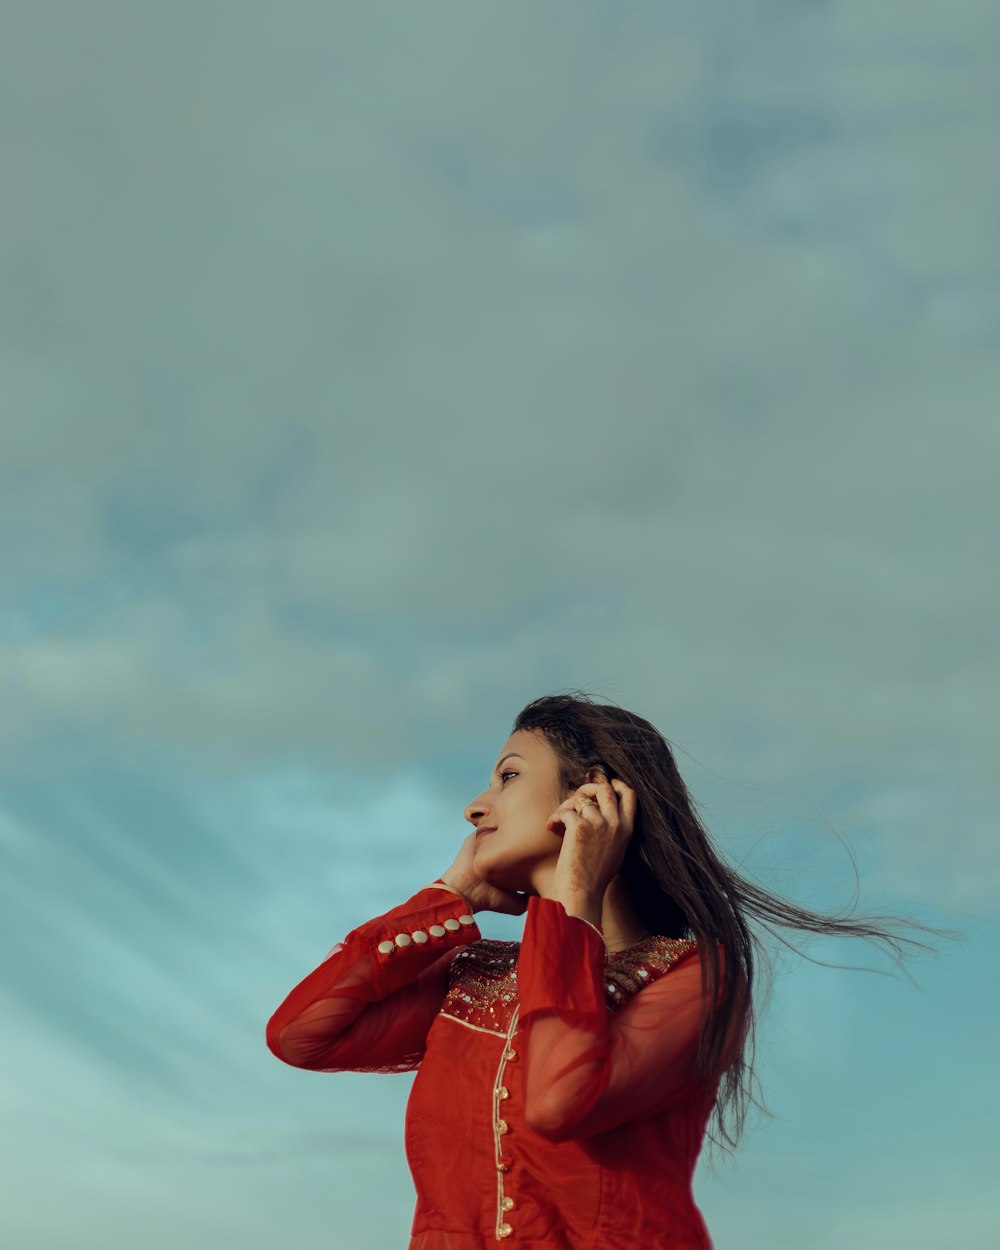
(482, 990)
(627, 971)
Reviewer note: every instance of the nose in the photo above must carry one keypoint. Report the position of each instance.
(476, 810)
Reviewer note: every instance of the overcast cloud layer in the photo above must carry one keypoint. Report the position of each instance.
(370, 370)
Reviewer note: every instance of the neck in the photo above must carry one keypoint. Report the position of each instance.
(620, 919)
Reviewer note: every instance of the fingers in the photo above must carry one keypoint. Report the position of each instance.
(616, 803)
(615, 806)
(626, 803)
(571, 809)
(604, 793)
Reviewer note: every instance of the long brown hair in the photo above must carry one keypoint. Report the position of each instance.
(683, 889)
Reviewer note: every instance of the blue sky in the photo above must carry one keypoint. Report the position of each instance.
(367, 372)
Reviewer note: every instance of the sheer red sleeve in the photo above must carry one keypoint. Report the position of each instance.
(588, 1069)
(370, 1003)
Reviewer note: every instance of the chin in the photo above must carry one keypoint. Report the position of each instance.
(503, 872)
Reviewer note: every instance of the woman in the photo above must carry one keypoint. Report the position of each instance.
(564, 1083)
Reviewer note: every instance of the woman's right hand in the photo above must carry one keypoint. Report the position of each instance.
(479, 894)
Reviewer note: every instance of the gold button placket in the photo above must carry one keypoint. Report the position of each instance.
(500, 1128)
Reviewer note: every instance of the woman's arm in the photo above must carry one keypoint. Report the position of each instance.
(587, 1069)
(370, 1003)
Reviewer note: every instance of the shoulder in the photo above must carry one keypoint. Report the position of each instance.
(631, 971)
(675, 951)
(659, 954)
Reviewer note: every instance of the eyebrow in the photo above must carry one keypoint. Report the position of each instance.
(510, 755)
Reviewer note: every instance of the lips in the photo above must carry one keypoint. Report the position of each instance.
(485, 829)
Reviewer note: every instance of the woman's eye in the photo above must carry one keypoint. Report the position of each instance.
(505, 775)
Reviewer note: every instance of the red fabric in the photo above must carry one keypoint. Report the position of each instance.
(603, 1114)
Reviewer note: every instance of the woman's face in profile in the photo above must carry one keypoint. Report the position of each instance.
(524, 792)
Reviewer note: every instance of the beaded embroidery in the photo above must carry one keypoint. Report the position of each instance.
(629, 970)
(482, 985)
(482, 989)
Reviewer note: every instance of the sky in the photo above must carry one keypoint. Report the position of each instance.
(370, 370)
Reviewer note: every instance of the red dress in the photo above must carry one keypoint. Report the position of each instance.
(555, 1104)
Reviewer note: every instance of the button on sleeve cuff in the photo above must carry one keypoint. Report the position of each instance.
(412, 936)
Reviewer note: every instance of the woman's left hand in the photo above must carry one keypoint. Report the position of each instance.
(595, 837)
